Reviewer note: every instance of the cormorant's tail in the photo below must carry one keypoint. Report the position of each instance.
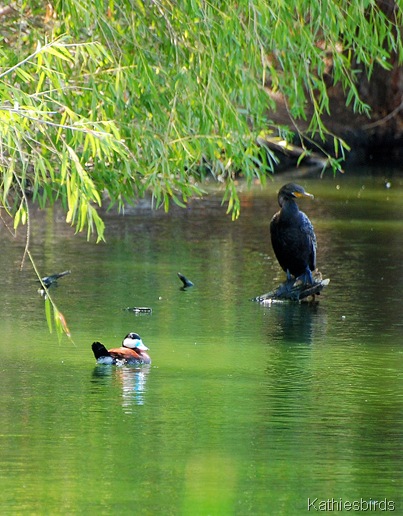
(100, 350)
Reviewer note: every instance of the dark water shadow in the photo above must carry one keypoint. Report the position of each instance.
(295, 323)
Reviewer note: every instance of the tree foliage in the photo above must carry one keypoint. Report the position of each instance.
(111, 99)
(136, 95)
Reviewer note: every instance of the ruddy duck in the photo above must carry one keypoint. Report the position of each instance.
(132, 352)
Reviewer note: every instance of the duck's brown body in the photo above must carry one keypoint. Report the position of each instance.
(130, 355)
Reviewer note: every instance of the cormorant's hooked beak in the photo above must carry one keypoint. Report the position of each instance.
(303, 194)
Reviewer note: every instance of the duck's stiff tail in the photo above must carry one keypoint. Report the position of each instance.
(100, 350)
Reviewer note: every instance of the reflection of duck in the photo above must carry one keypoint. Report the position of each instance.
(132, 351)
(132, 380)
(292, 235)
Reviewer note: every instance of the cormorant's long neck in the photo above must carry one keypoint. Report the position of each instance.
(289, 209)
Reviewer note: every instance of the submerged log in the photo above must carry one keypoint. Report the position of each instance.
(294, 290)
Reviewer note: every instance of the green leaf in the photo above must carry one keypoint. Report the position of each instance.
(48, 312)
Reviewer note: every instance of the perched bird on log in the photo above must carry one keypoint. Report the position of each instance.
(293, 237)
(131, 352)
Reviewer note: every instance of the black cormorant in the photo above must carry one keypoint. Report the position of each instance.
(292, 235)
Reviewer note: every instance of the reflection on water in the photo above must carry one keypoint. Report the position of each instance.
(294, 323)
(132, 380)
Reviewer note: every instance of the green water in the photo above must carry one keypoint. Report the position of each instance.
(245, 409)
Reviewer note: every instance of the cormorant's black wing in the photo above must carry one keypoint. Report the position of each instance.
(307, 227)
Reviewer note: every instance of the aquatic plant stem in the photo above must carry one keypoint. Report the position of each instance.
(59, 319)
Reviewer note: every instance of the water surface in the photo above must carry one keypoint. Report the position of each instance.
(245, 409)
